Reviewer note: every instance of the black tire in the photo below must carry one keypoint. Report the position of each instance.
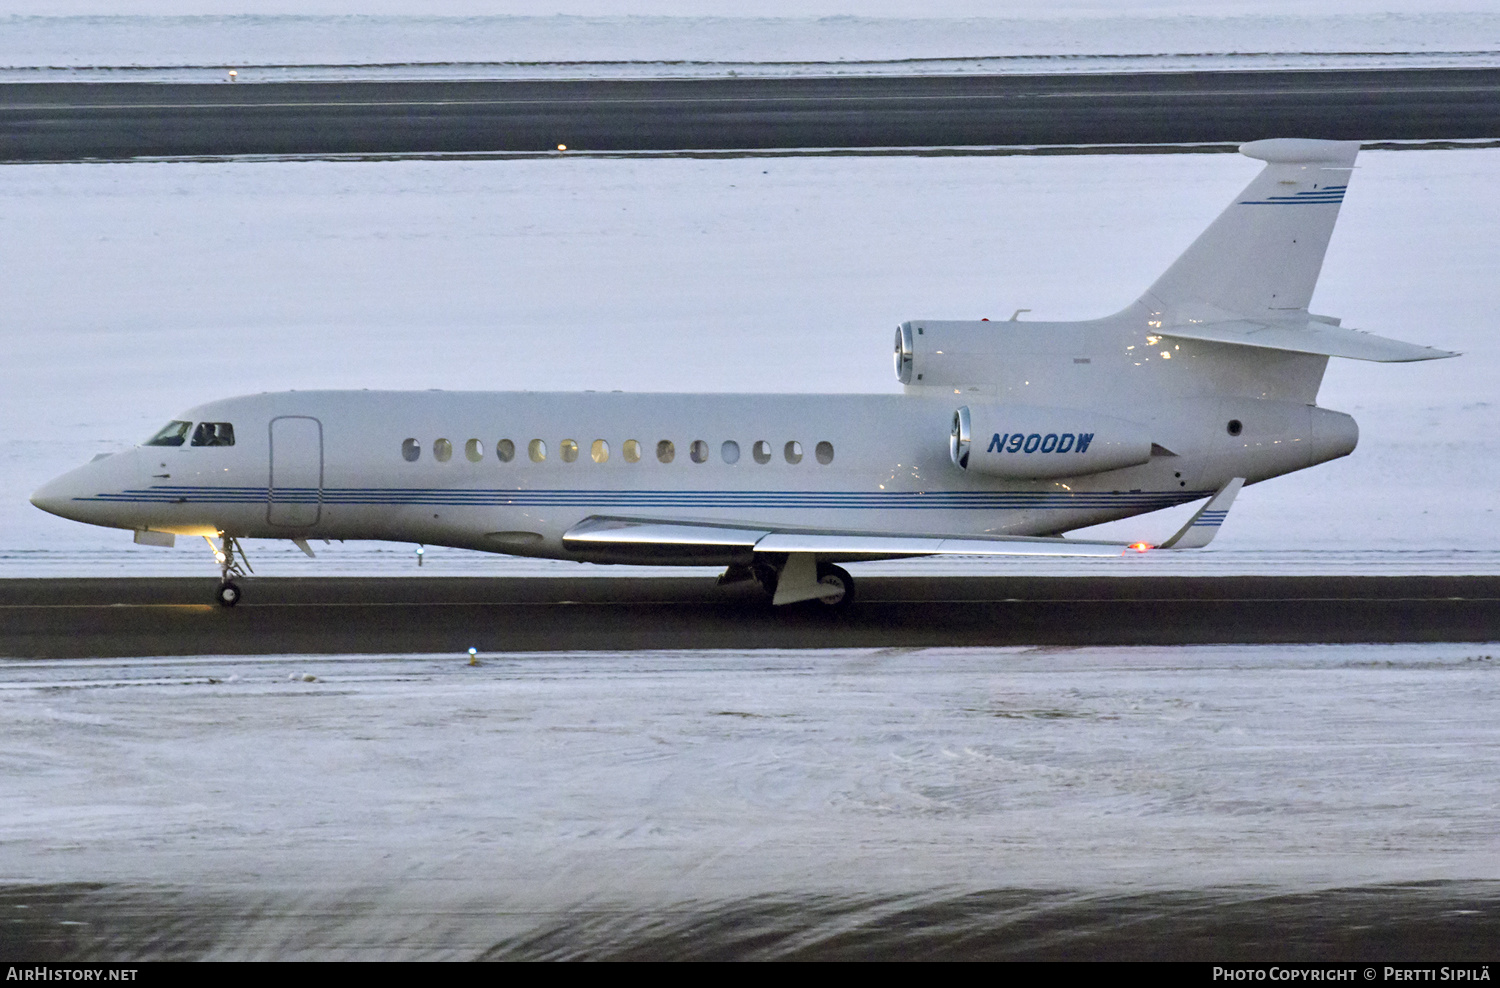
(767, 576)
(841, 586)
(227, 595)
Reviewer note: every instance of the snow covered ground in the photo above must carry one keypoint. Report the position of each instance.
(196, 42)
(404, 806)
(132, 291)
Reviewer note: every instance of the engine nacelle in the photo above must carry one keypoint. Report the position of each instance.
(1020, 442)
(936, 353)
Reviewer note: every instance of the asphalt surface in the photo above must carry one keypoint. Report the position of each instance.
(1450, 922)
(134, 617)
(72, 121)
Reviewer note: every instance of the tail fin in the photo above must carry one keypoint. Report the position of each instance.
(1265, 251)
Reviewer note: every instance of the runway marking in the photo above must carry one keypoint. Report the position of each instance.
(866, 599)
(915, 150)
(43, 607)
(653, 100)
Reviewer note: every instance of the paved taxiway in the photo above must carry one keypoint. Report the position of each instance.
(70, 121)
(131, 617)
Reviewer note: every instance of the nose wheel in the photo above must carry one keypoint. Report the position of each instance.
(229, 592)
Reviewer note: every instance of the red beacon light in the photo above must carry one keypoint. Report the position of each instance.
(1140, 546)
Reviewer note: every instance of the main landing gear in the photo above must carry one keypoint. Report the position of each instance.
(229, 592)
(798, 577)
(840, 586)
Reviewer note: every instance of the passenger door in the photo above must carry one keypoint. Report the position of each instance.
(296, 487)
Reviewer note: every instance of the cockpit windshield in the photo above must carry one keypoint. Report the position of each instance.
(172, 434)
(213, 434)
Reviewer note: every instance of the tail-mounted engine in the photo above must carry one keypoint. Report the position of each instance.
(1025, 443)
(932, 353)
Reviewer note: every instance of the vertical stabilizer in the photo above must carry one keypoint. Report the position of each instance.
(1265, 251)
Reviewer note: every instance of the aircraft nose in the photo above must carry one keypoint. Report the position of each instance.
(51, 497)
(58, 495)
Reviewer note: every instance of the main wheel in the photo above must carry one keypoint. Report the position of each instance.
(227, 595)
(767, 577)
(840, 586)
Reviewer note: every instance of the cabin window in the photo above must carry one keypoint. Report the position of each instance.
(665, 451)
(505, 451)
(761, 451)
(213, 434)
(568, 450)
(793, 452)
(172, 434)
(730, 451)
(824, 452)
(473, 450)
(411, 451)
(442, 450)
(537, 450)
(599, 451)
(698, 451)
(632, 451)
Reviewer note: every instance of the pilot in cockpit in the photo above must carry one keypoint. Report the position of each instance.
(213, 434)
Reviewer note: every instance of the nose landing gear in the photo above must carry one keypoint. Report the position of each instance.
(228, 593)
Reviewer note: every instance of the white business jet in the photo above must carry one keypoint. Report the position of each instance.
(1006, 435)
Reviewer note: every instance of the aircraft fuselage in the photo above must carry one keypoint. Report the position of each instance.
(427, 467)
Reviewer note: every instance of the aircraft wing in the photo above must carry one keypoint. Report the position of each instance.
(599, 532)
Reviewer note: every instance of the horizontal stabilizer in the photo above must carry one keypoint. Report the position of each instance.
(1312, 336)
(1203, 526)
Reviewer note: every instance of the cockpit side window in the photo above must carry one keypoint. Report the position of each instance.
(213, 434)
(172, 434)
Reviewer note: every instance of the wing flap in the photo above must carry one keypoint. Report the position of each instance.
(596, 531)
(909, 545)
